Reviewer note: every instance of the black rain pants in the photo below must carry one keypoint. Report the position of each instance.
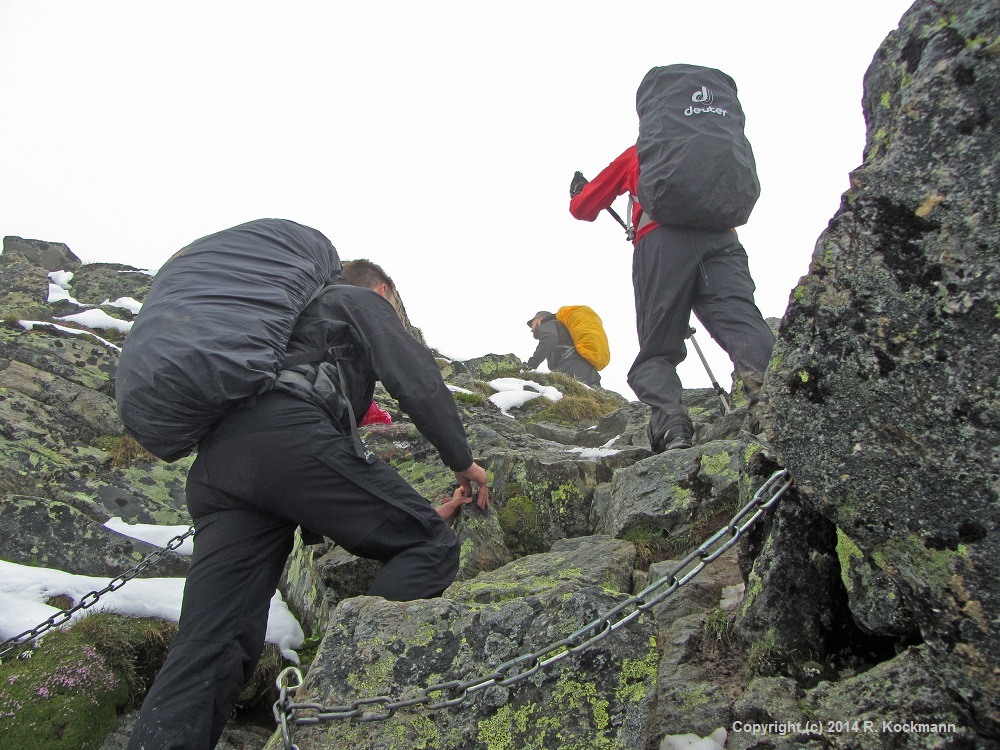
(263, 471)
(674, 271)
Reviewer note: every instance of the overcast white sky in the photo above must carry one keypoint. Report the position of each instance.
(436, 138)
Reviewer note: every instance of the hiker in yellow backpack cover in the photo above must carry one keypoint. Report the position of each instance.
(556, 348)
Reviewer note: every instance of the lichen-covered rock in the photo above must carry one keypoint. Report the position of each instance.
(47, 256)
(48, 534)
(792, 717)
(795, 606)
(598, 698)
(96, 283)
(679, 492)
(883, 398)
(493, 365)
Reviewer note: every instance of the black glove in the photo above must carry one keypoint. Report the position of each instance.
(576, 186)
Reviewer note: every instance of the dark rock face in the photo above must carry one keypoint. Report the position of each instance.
(883, 392)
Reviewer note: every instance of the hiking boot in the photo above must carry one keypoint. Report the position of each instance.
(677, 437)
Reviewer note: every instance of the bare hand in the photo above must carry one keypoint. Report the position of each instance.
(449, 507)
(475, 473)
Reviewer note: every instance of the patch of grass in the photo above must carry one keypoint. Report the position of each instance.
(123, 450)
(572, 409)
(717, 624)
(470, 399)
(578, 404)
(133, 647)
(761, 658)
(651, 544)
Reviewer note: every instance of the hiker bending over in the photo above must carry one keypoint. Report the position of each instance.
(556, 348)
(287, 459)
(677, 270)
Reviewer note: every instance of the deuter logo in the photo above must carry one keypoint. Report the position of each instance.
(704, 96)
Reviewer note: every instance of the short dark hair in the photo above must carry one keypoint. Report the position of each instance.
(364, 273)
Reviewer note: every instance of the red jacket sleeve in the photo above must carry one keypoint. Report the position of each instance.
(619, 177)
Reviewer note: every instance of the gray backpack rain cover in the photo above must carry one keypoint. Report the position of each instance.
(696, 167)
(214, 327)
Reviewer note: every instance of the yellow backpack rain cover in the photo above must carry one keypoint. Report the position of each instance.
(588, 333)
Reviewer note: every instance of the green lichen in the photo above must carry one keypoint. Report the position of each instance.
(564, 494)
(693, 697)
(754, 586)
(846, 552)
(466, 552)
(404, 730)
(879, 140)
(374, 678)
(610, 584)
(496, 732)
(718, 465)
(577, 695)
(908, 557)
(682, 496)
(522, 582)
(638, 676)
(886, 100)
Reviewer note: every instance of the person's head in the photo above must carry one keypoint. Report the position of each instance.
(538, 318)
(369, 275)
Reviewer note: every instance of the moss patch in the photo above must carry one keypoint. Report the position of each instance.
(65, 697)
(522, 530)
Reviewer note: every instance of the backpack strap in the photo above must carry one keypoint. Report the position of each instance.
(337, 353)
(332, 357)
(359, 447)
(631, 230)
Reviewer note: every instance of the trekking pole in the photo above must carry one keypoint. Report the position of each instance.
(715, 384)
(618, 218)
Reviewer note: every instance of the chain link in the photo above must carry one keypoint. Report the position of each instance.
(457, 691)
(91, 598)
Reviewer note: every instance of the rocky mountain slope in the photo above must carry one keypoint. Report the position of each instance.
(860, 611)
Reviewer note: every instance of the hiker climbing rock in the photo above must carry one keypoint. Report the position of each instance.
(290, 456)
(693, 166)
(557, 349)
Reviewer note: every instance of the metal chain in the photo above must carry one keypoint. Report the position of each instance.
(522, 667)
(90, 599)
